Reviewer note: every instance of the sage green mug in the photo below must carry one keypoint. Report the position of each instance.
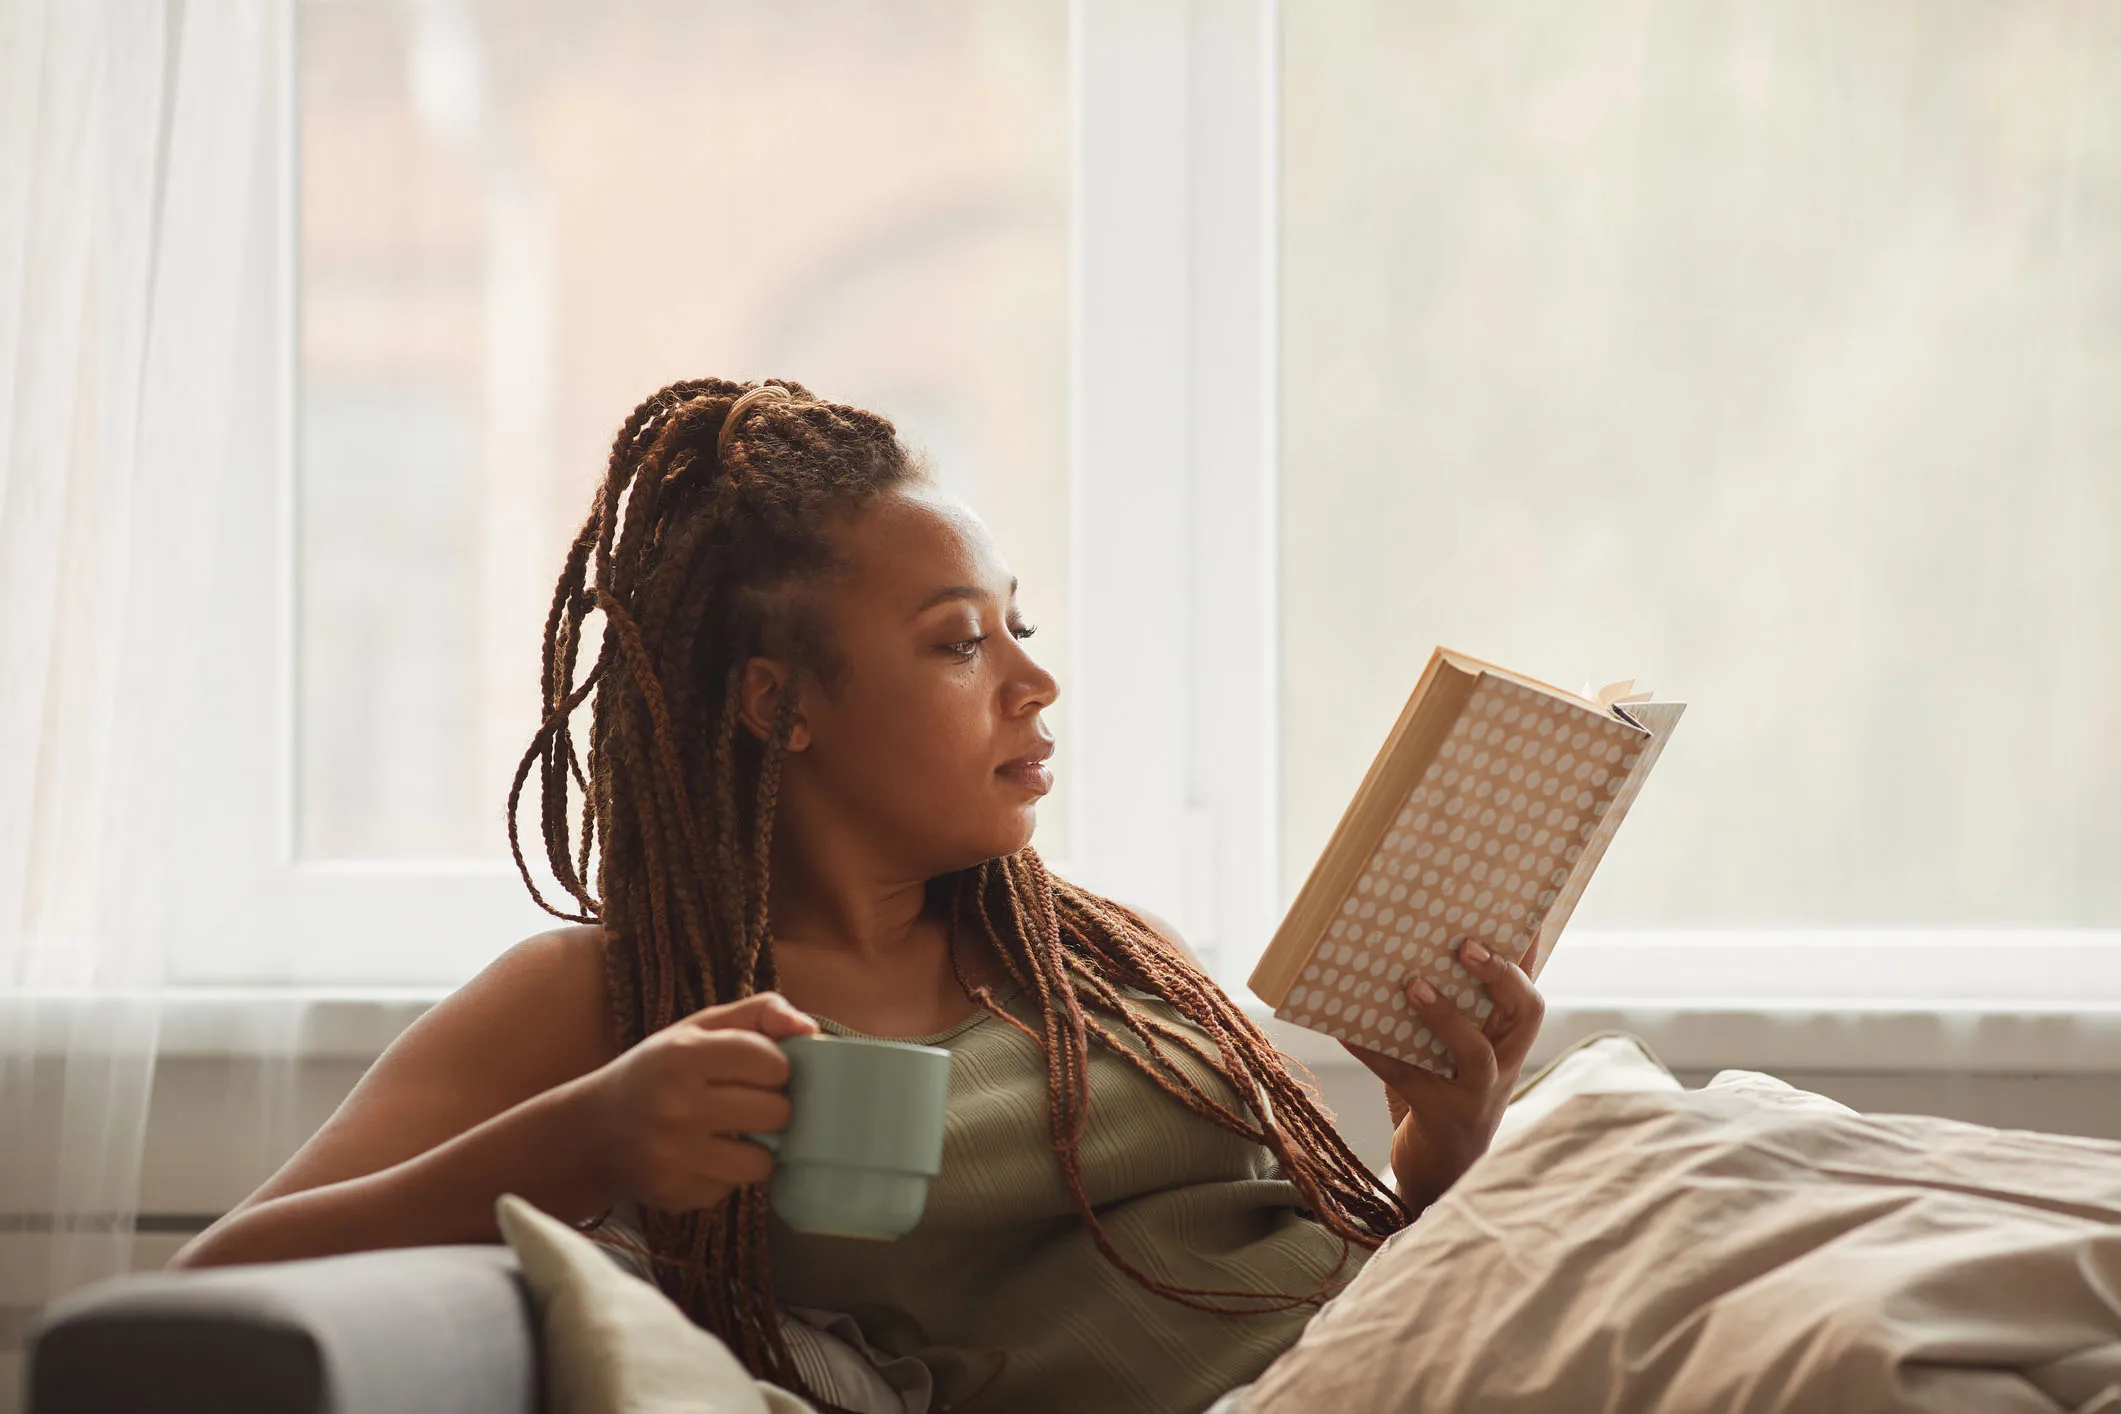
(864, 1134)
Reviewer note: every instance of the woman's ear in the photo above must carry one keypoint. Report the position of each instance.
(758, 702)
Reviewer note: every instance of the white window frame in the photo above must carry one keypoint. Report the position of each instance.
(1177, 261)
(1174, 761)
(283, 924)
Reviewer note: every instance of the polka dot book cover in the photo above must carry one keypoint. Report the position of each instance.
(1482, 816)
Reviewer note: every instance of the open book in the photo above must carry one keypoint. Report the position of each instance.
(1482, 816)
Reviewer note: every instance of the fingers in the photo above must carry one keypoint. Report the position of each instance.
(739, 1161)
(1460, 1033)
(1519, 1008)
(786, 1019)
(744, 1109)
(769, 1012)
(734, 1056)
(700, 1171)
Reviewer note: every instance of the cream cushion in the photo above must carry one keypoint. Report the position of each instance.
(1602, 1063)
(615, 1344)
(1745, 1248)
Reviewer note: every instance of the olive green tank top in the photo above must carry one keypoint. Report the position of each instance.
(1001, 1289)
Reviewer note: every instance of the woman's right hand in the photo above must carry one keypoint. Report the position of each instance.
(669, 1113)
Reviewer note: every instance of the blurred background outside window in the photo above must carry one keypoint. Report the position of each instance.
(1767, 353)
(519, 219)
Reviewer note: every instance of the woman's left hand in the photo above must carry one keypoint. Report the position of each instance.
(1440, 1126)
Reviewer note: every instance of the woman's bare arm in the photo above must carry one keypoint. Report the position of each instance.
(488, 1092)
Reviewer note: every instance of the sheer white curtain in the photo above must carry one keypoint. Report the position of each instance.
(138, 151)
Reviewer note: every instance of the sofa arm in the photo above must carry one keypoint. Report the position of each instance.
(450, 1330)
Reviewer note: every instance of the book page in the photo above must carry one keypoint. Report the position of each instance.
(1482, 847)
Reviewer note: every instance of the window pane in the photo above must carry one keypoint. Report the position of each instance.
(520, 219)
(1769, 354)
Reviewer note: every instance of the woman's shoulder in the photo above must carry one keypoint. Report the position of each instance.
(1165, 933)
(532, 1018)
(552, 986)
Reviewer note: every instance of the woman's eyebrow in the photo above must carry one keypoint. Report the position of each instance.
(956, 591)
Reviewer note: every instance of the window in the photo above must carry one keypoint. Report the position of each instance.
(501, 227)
(1764, 353)
(517, 221)
(1763, 356)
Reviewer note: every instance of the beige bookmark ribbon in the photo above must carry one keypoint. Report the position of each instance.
(1615, 692)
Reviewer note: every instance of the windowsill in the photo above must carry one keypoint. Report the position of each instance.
(1773, 1034)
(1879, 1001)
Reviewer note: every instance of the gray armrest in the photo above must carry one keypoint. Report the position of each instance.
(413, 1330)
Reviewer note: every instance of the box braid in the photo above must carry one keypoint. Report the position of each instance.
(706, 539)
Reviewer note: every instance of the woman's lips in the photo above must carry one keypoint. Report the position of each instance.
(1031, 775)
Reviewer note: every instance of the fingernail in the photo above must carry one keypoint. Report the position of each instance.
(1422, 990)
(1474, 952)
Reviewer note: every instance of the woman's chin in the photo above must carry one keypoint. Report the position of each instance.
(1011, 830)
(1025, 827)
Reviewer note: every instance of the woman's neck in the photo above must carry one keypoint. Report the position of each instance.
(835, 895)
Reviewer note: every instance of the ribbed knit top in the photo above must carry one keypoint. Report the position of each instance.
(1001, 1289)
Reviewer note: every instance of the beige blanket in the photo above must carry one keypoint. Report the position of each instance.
(1743, 1247)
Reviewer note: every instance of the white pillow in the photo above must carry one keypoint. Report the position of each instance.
(1603, 1061)
(1774, 1090)
(615, 1344)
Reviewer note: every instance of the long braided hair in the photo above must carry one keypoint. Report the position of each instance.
(707, 541)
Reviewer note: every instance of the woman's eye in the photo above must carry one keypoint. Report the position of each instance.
(965, 648)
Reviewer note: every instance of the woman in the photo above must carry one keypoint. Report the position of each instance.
(811, 779)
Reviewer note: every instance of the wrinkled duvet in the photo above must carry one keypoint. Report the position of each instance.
(1743, 1247)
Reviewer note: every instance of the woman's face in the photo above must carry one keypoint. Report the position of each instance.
(939, 693)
